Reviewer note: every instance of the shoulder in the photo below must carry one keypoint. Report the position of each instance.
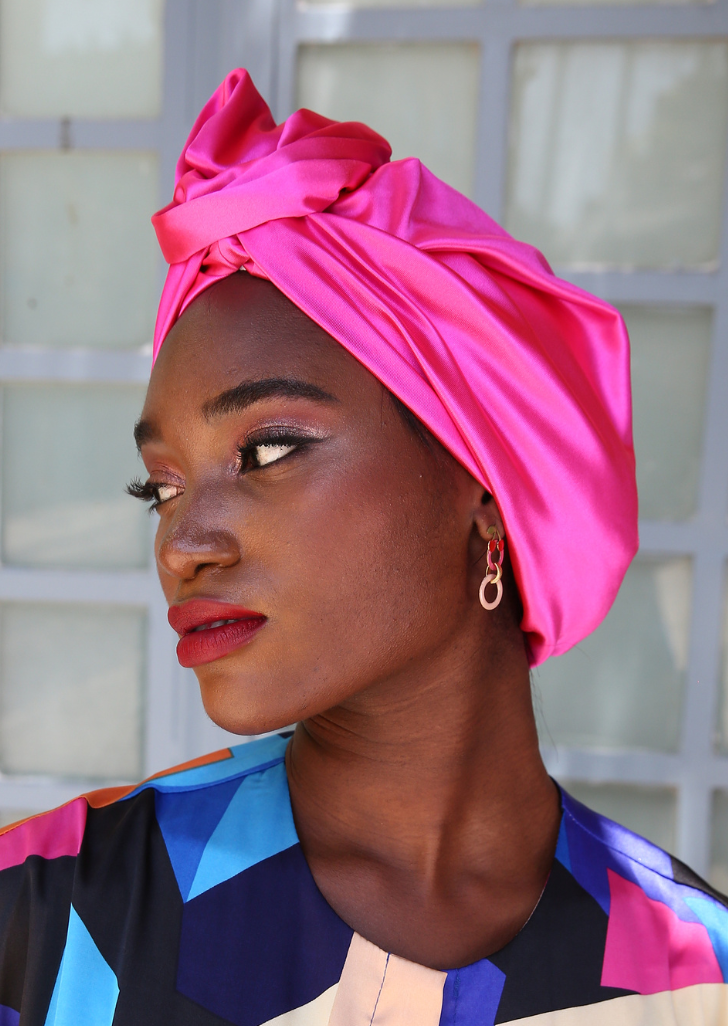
(667, 928)
(60, 832)
(77, 880)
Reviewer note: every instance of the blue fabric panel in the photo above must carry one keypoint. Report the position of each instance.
(262, 943)
(8, 1016)
(562, 847)
(86, 991)
(187, 820)
(471, 995)
(257, 823)
(256, 755)
(596, 844)
(714, 917)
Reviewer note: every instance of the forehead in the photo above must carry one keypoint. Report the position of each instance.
(243, 328)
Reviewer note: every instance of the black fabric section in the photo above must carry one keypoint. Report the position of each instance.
(556, 960)
(127, 895)
(683, 874)
(35, 899)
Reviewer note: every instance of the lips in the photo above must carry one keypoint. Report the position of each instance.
(210, 630)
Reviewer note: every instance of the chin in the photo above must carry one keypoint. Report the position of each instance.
(248, 707)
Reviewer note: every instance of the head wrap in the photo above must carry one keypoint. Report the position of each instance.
(523, 377)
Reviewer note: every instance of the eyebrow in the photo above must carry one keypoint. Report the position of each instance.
(240, 397)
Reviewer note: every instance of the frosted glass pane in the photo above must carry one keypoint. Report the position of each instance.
(8, 816)
(602, 3)
(70, 690)
(81, 58)
(78, 257)
(617, 152)
(648, 811)
(422, 97)
(719, 848)
(670, 361)
(622, 687)
(67, 454)
(722, 739)
(391, 3)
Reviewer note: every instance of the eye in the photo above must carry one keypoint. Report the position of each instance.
(155, 494)
(270, 452)
(165, 492)
(269, 448)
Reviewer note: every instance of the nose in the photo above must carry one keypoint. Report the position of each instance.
(193, 541)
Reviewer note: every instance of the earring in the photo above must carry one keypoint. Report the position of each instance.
(496, 545)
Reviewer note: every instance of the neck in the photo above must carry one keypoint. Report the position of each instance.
(426, 780)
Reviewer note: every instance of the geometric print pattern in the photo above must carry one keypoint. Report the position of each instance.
(187, 901)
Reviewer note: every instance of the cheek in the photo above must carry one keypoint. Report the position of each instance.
(371, 572)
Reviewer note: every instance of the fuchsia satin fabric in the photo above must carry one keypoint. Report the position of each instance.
(523, 377)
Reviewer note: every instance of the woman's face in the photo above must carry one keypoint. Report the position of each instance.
(294, 501)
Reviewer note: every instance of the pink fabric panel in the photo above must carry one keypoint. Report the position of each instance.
(523, 377)
(50, 835)
(649, 949)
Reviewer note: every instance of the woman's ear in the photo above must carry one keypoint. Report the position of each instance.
(487, 515)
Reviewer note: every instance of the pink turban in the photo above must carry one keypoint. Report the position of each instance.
(523, 377)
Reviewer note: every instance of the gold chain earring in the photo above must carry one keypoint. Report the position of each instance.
(496, 546)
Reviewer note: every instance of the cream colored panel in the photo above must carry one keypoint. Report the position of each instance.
(648, 811)
(422, 97)
(67, 455)
(705, 1004)
(315, 1013)
(623, 686)
(78, 256)
(670, 364)
(379, 989)
(70, 690)
(81, 58)
(617, 152)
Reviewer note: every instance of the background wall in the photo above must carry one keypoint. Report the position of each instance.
(596, 131)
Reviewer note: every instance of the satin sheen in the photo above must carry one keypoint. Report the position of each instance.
(523, 377)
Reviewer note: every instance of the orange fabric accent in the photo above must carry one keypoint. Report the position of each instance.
(201, 760)
(19, 822)
(108, 795)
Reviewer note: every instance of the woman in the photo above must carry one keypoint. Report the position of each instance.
(391, 457)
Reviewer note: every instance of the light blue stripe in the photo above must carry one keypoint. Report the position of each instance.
(245, 759)
(86, 990)
(714, 918)
(257, 823)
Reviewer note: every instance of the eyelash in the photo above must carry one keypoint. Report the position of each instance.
(148, 491)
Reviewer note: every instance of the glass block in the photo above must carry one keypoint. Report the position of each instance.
(722, 738)
(78, 256)
(81, 58)
(390, 3)
(10, 816)
(648, 811)
(617, 152)
(623, 686)
(70, 691)
(670, 362)
(67, 454)
(602, 3)
(718, 875)
(422, 97)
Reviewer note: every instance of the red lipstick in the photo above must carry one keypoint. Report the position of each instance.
(210, 630)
